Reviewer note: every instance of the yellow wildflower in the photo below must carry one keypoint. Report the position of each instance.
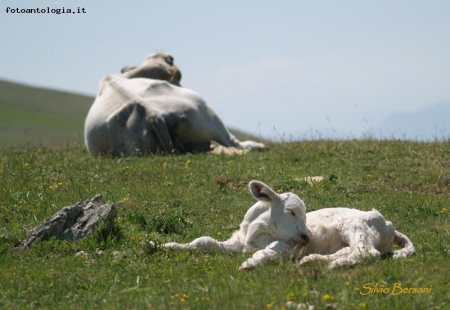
(327, 297)
(362, 305)
(136, 238)
(290, 296)
(269, 305)
(444, 210)
(55, 186)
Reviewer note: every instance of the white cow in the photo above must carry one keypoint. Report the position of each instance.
(278, 227)
(143, 111)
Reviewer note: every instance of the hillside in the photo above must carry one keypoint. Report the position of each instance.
(36, 116)
(44, 117)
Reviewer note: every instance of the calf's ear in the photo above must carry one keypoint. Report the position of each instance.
(262, 192)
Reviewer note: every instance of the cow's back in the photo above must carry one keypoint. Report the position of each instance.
(119, 121)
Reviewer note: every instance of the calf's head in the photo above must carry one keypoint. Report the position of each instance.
(287, 213)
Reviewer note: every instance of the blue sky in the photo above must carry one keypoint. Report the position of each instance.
(286, 69)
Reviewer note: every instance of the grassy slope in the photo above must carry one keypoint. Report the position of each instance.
(43, 117)
(36, 116)
(406, 181)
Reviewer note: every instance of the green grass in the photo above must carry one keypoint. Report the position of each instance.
(178, 198)
(40, 117)
(44, 167)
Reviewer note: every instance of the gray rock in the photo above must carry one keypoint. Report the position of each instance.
(74, 222)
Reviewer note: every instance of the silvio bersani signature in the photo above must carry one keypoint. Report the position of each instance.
(396, 289)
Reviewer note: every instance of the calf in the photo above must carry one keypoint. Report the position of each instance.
(277, 226)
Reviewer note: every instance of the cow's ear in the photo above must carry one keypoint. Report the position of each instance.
(127, 68)
(262, 192)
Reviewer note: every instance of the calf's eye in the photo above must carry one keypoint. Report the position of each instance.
(292, 212)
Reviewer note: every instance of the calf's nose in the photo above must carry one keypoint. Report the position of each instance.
(304, 239)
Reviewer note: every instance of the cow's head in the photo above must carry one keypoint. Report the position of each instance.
(287, 219)
(157, 66)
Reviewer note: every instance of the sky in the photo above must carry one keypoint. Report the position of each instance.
(281, 69)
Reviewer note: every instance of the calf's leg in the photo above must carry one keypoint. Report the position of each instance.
(207, 244)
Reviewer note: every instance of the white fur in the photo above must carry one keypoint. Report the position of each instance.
(143, 111)
(270, 229)
(345, 237)
(277, 226)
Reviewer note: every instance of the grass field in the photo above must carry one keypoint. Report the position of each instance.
(178, 198)
(44, 167)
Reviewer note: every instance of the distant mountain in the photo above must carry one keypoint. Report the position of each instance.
(44, 117)
(426, 124)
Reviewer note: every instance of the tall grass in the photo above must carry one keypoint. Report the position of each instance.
(178, 198)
